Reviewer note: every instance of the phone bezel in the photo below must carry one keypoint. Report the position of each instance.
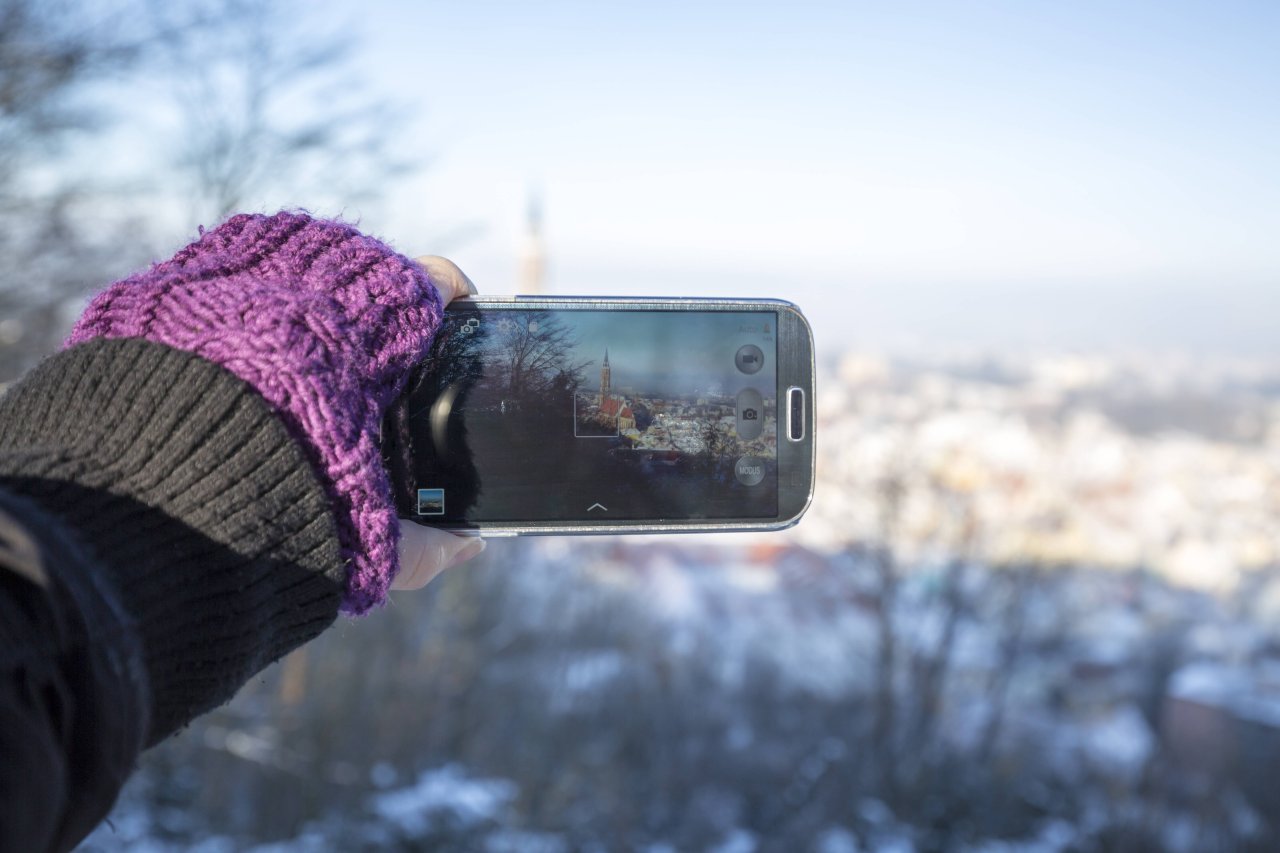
(795, 458)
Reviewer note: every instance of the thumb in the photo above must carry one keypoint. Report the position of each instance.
(426, 552)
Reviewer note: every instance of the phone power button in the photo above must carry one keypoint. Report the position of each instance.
(795, 414)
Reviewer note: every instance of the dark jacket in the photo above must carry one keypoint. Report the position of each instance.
(162, 539)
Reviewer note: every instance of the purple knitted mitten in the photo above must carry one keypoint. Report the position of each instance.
(325, 323)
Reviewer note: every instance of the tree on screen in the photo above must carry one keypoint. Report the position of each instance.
(531, 356)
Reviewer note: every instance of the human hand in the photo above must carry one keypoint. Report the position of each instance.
(326, 324)
(425, 552)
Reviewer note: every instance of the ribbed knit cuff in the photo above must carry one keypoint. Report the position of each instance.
(212, 526)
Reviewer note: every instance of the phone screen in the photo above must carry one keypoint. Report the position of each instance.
(592, 415)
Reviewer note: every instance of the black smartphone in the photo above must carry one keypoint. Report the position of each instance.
(588, 415)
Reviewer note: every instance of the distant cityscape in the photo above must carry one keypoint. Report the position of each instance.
(693, 424)
(1154, 463)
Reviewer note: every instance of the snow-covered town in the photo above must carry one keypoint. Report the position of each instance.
(1035, 606)
(678, 426)
(1174, 467)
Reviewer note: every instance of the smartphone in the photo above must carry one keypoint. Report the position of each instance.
(587, 415)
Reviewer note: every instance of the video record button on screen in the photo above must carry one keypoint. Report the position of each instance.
(750, 358)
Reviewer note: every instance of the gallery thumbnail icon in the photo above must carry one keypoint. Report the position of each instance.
(430, 501)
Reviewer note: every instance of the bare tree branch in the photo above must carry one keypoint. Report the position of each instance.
(270, 110)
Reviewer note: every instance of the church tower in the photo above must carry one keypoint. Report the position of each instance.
(604, 378)
(533, 255)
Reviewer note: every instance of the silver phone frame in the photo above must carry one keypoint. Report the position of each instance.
(795, 354)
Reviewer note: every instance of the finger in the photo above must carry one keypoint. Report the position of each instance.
(448, 279)
(426, 552)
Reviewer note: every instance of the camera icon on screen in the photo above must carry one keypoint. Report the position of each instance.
(748, 414)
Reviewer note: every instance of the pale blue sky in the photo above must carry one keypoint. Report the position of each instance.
(1067, 173)
(695, 352)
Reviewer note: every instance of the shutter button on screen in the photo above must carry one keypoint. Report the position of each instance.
(750, 411)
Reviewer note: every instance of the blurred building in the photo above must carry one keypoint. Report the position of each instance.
(1221, 725)
(533, 255)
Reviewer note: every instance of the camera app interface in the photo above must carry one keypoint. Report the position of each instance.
(594, 415)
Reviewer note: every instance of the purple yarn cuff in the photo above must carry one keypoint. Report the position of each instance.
(321, 320)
